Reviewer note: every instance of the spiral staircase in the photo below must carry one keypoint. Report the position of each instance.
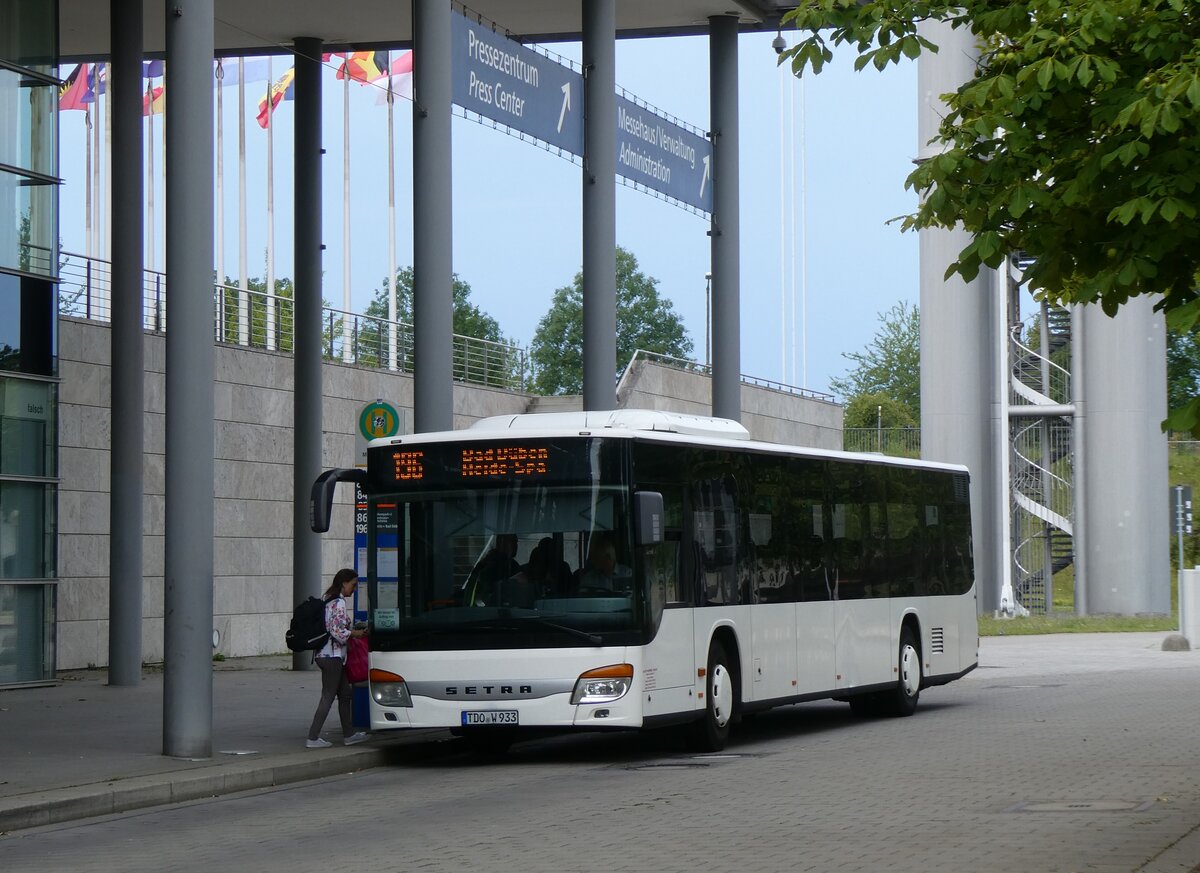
(1041, 460)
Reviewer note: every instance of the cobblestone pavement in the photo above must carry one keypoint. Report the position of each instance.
(1056, 755)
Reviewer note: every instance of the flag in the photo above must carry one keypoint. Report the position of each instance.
(281, 90)
(154, 101)
(253, 70)
(95, 88)
(402, 77)
(360, 66)
(73, 93)
(152, 69)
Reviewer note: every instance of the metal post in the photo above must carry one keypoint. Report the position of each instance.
(187, 676)
(306, 329)
(125, 494)
(433, 227)
(1179, 540)
(599, 205)
(726, 233)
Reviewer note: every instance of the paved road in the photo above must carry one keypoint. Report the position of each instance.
(1093, 765)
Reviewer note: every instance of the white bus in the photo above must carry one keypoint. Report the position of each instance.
(630, 569)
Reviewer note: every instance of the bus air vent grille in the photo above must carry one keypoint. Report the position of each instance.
(937, 640)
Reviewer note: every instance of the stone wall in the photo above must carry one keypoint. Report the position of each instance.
(770, 415)
(252, 561)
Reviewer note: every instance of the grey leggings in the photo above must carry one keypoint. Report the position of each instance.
(333, 684)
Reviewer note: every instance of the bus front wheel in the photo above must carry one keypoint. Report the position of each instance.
(712, 731)
(902, 700)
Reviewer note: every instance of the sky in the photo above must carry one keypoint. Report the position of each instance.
(819, 262)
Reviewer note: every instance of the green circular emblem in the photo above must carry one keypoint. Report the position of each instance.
(378, 420)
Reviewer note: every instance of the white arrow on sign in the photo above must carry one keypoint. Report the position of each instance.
(566, 89)
(704, 178)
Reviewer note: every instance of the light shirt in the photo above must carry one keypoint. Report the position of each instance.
(337, 622)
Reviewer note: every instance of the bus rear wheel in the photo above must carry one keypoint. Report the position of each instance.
(720, 698)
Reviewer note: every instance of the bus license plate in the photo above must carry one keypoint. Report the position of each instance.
(490, 716)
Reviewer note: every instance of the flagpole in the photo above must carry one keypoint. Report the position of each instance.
(346, 350)
(220, 253)
(243, 278)
(88, 211)
(393, 291)
(270, 320)
(105, 223)
(96, 124)
(150, 259)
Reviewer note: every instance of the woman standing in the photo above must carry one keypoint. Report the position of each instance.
(331, 658)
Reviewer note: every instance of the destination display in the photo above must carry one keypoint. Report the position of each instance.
(664, 156)
(439, 465)
(501, 79)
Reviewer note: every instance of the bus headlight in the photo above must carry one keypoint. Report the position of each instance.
(388, 688)
(603, 685)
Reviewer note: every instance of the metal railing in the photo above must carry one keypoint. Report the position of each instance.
(1036, 374)
(706, 370)
(902, 442)
(257, 319)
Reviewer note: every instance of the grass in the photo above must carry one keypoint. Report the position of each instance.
(1072, 624)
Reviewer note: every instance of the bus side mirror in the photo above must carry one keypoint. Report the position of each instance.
(320, 503)
(648, 517)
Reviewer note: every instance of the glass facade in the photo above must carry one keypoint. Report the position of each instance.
(28, 339)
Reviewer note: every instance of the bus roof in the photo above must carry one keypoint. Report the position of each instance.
(643, 423)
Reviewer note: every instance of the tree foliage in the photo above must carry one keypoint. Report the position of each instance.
(645, 321)
(890, 365)
(1077, 141)
(878, 410)
(494, 361)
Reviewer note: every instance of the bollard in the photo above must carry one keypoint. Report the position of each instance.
(1189, 605)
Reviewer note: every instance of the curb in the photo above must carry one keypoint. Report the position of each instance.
(58, 805)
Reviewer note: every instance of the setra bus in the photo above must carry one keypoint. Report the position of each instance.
(630, 569)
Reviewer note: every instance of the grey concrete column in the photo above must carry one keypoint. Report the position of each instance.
(726, 228)
(306, 408)
(127, 225)
(1079, 429)
(599, 205)
(958, 332)
(187, 679)
(1126, 486)
(433, 226)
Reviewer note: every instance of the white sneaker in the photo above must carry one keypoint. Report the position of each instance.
(355, 739)
(318, 743)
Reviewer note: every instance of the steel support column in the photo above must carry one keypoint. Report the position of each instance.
(187, 677)
(128, 350)
(726, 228)
(306, 408)
(599, 205)
(433, 226)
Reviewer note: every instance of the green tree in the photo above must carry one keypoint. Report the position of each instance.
(645, 321)
(1077, 141)
(258, 303)
(496, 361)
(889, 366)
(877, 410)
(1183, 366)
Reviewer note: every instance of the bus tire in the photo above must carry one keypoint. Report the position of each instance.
(902, 700)
(720, 700)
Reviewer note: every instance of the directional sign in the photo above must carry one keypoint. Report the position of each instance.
(665, 157)
(500, 79)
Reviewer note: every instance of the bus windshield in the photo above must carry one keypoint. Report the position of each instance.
(530, 565)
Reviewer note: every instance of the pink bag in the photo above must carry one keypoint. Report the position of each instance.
(357, 661)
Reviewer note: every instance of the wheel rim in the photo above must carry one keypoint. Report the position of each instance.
(721, 695)
(910, 671)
